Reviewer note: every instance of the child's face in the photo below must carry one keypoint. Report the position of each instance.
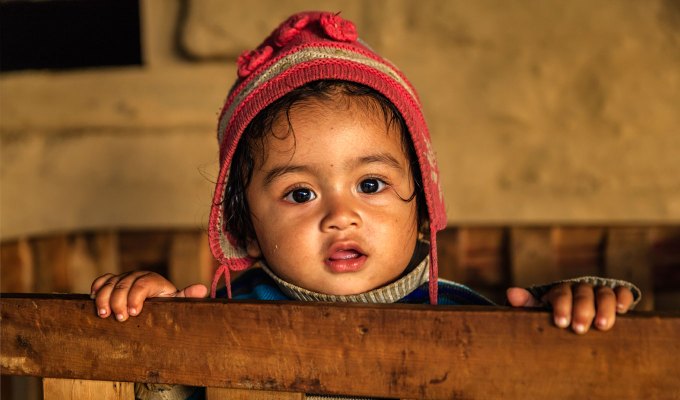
(327, 201)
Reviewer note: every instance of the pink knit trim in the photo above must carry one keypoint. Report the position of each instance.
(301, 74)
(350, 72)
(434, 268)
(356, 47)
(223, 269)
(233, 264)
(215, 220)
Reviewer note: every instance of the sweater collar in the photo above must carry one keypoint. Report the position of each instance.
(390, 293)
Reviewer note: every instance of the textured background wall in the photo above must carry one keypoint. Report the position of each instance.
(540, 111)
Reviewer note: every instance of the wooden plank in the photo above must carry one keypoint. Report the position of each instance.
(628, 257)
(145, 250)
(81, 265)
(16, 275)
(245, 394)
(578, 250)
(665, 257)
(447, 254)
(667, 300)
(533, 260)
(106, 248)
(474, 256)
(62, 263)
(51, 263)
(16, 259)
(190, 260)
(76, 389)
(397, 351)
(481, 252)
(21, 387)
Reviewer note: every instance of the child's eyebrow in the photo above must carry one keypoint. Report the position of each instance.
(380, 158)
(286, 169)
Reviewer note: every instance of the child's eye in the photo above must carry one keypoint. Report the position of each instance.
(372, 185)
(301, 195)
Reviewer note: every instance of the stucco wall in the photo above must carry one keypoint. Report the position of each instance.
(540, 111)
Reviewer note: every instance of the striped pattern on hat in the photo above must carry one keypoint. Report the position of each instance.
(308, 47)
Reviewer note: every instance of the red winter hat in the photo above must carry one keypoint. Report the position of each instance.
(307, 47)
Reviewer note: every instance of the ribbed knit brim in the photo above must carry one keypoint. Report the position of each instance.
(307, 47)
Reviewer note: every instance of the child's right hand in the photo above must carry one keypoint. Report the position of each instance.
(123, 295)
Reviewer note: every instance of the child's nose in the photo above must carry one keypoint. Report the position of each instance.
(341, 214)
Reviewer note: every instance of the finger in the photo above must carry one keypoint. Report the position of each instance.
(606, 308)
(119, 295)
(583, 310)
(519, 297)
(98, 283)
(147, 284)
(103, 295)
(196, 291)
(560, 298)
(624, 299)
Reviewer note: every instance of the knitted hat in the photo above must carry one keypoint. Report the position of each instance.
(307, 47)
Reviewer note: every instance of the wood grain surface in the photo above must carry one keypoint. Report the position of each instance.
(397, 351)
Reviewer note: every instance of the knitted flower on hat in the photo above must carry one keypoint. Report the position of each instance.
(308, 47)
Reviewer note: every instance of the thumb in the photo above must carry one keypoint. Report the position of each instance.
(519, 297)
(196, 291)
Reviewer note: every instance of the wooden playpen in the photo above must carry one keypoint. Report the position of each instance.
(290, 350)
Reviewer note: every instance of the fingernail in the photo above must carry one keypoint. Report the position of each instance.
(132, 311)
(562, 322)
(102, 311)
(119, 317)
(620, 308)
(92, 295)
(580, 328)
(602, 323)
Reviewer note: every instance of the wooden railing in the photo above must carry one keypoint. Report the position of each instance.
(281, 350)
(486, 258)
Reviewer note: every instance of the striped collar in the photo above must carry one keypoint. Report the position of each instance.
(390, 293)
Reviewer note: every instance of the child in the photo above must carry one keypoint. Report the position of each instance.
(328, 184)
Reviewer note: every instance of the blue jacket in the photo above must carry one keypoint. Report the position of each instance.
(255, 284)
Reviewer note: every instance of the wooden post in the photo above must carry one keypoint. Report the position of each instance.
(481, 253)
(144, 250)
(17, 266)
(81, 265)
(665, 249)
(243, 394)
(190, 259)
(76, 389)
(533, 260)
(51, 256)
(628, 257)
(447, 252)
(107, 252)
(578, 250)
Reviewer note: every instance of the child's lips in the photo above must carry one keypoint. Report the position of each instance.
(344, 254)
(345, 260)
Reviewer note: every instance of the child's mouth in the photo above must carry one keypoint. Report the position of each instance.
(345, 260)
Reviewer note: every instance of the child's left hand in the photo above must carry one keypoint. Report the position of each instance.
(579, 305)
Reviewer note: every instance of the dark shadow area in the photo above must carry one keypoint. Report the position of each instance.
(64, 34)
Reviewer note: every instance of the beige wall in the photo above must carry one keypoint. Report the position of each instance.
(540, 111)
